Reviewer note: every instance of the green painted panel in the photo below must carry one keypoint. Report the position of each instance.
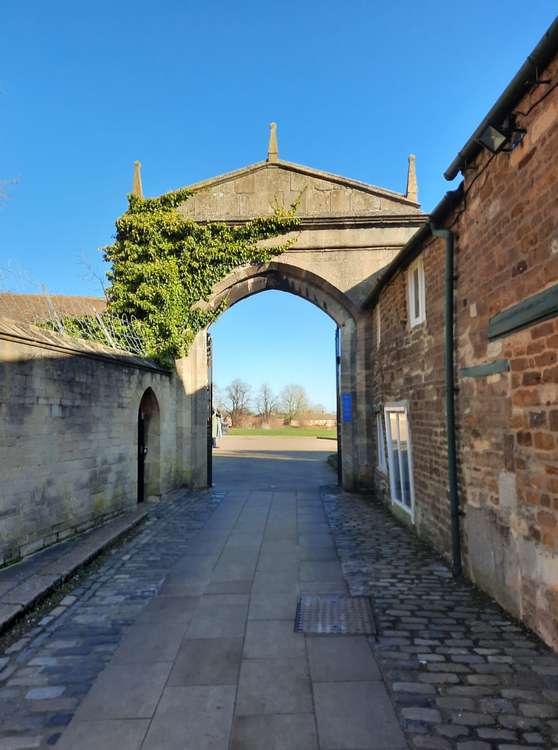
(481, 371)
(532, 310)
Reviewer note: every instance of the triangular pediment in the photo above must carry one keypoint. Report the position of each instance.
(254, 191)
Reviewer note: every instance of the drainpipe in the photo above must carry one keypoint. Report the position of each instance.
(448, 236)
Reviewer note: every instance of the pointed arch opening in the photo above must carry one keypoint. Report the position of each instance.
(149, 448)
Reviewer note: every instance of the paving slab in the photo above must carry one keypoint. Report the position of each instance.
(320, 571)
(164, 608)
(273, 686)
(233, 570)
(212, 661)
(269, 606)
(356, 715)
(341, 659)
(192, 718)
(218, 621)
(279, 732)
(225, 598)
(273, 639)
(129, 691)
(275, 582)
(144, 644)
(94, 735)
(229, 587)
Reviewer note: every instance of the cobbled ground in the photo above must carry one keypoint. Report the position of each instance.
(461, 673)
(45, 675)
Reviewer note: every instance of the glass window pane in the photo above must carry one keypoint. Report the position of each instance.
(395, 478)
(405, 463)
(398, 443)
(416, 291)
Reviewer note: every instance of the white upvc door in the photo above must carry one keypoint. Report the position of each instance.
(400, 456)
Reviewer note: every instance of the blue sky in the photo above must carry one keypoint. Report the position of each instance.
(276, 338)
(189, 89)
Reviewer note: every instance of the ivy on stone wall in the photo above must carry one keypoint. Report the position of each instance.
(163, 265)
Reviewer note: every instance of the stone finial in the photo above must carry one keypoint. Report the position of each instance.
(137, 188)
(272, 149)
(412, 188)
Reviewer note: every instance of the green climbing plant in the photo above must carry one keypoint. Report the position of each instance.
(163, 265)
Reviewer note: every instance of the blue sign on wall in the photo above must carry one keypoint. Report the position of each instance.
(347, 407)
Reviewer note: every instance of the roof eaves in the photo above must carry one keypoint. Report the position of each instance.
(412, 248)
(526, 76)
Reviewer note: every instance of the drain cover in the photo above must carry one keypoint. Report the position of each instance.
(334, 614)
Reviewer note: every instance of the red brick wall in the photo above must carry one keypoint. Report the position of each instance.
(507, 424)
(408, 365)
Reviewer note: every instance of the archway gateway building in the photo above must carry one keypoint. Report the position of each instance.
(349, 231)
(448, 360)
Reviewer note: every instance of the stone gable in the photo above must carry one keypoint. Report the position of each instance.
(255, 190)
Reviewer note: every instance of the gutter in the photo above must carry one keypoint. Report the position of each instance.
(448, 237)
(525, 79)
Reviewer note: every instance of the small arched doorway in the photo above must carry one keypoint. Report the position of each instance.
(149, 448)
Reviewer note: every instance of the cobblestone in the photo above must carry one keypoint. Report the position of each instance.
(493, 683)
(47, 672)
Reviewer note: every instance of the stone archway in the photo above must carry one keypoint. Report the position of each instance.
(349, 231)
(276, 275)
(149, 447)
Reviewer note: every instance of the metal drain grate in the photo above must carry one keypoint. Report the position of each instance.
(334, 614)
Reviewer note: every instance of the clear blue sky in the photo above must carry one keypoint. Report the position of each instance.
(276, 338)
(189, 89)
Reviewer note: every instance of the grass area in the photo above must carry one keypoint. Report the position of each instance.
(284, 432)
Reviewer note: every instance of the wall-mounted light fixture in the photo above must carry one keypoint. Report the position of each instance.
(505, 137)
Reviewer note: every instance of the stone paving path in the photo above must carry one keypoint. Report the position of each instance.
(215, 654)
(184, 638)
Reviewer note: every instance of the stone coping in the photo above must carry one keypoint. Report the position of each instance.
(24, 584)
(30, 307)
(26, 333)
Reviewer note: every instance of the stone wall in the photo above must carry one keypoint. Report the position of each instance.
(506, 233)
(68, 436)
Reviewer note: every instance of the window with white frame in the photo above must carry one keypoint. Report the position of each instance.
(416, 293)
(378, 326)
(380, 443)
(400, 460)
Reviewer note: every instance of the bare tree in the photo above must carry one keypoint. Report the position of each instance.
(318, 409)
(218, 398)
(266, 402)
(294, 401)
(237, 400)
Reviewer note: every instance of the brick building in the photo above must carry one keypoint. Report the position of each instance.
(487, 290)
